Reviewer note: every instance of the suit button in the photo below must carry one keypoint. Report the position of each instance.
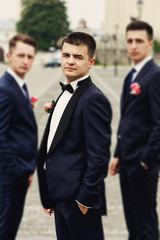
(119, 136)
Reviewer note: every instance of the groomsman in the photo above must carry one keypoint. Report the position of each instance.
(137, 155)
(18, 135)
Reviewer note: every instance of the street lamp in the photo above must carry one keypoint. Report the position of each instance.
(139, 4)
(115, 38)
(104, 48)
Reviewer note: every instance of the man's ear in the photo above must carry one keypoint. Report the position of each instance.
(151, 43)
(8, 56)
(92, 61)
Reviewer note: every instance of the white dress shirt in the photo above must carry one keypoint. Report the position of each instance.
(139, 66)
(19, 80)
(59, 109)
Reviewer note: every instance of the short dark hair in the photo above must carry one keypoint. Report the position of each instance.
(140, 25)
(81, 38)
(21, 38)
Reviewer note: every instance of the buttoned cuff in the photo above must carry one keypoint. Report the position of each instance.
(83, 205)
(143, 164)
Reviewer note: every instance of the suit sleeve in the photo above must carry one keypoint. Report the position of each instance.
(152, 147)
(116, 152)
(97, 119)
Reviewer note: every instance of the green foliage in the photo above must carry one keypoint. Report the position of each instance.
(156, 46)
(45, 20)
(97, 62)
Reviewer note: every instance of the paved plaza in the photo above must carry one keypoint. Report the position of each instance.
(43, 82)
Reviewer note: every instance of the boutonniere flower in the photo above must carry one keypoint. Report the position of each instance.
(135, 89)
(34, 101)
(48, 106)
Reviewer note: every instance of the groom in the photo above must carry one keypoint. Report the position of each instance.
(75, 147)
(137, 156)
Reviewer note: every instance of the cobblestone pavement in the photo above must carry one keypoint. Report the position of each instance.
(42, 82)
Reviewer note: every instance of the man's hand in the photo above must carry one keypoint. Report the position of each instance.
(30, 180)
(82, 208)
(113, 167)
(145, 167)
(48, 211)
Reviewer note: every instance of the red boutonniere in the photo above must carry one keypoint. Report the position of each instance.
(135, 89)
(48, 106)
(34, 101)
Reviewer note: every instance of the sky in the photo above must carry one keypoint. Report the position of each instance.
(92, 11)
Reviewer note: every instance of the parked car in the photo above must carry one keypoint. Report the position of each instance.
(53, 63)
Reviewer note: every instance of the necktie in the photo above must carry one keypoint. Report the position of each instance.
(26, 93)
(129, 80)
(67, 87)
(26, 90)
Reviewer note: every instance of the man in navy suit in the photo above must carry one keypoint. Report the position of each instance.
(137, 155)
(18, 135)
(75, 147)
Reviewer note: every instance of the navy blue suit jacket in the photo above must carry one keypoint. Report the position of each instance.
(18, 130)
(77, 161)
(139, 127)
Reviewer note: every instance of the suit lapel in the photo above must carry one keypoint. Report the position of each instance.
(138, 79)
(20, 94)
(63, 124)
(43, 148)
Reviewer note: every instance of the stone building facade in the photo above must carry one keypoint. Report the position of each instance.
(118, 13)
(8, 28)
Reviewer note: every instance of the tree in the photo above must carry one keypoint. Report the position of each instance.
(45, 20)
(156, 46)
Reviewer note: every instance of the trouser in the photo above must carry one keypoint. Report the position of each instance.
(12, 198)
(139, 193)
(71, 224)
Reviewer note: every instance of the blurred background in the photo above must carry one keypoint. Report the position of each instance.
(48, 21)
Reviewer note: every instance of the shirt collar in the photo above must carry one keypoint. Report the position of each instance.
(140, 65)
(74, 83)
(19, 80)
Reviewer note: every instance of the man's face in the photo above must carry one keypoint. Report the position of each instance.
(138, 45)
(21, 58)
(75, 61)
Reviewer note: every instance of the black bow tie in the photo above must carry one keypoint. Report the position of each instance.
(67, 87)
